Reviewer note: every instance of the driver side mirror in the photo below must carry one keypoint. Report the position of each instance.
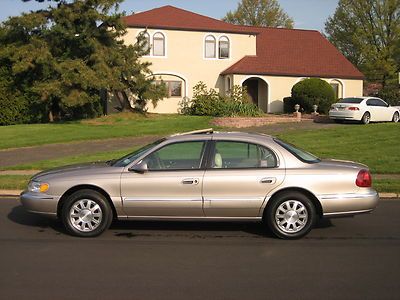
(140, 167)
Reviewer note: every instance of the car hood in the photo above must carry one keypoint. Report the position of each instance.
(329, 163)
(81, 168)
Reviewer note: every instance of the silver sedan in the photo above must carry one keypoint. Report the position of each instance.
(205, 175)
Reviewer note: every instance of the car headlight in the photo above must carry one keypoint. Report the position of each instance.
(38, 187)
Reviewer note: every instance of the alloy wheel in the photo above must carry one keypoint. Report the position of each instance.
(85, 215)
(291, 216)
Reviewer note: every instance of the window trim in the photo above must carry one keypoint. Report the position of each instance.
(148, 38)
(212, 150)
(162, 38)
(214, 41)
(228, 42)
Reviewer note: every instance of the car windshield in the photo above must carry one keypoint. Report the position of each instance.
(300, 154)
(131, 157)
(350, 100)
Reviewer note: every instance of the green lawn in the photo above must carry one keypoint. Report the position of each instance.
(68, 160)
(120, 125)
(376, 145)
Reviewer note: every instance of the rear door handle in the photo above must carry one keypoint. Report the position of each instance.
(190, 181)
(269, 180)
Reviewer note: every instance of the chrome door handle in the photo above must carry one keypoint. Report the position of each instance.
(190, 181)
(270, 180)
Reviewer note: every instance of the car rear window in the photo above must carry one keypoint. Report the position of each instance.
(302, 155)
(350, 100)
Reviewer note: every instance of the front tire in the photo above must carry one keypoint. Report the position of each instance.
(366, 118)
(86, 213)
(396, 117)
(291, 215)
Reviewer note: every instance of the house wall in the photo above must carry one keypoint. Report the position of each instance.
(280, 87)
(186, 60)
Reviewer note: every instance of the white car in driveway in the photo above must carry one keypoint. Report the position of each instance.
(363, 109)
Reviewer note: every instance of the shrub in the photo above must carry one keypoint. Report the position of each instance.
(312, 91)
(391, 95)
(208, 102)
(13, 109)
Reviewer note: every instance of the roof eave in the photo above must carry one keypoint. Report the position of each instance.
(229, 72)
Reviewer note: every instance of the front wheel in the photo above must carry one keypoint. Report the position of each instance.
(291, 215)
(366, 118)
(86, 213)
(395, 117)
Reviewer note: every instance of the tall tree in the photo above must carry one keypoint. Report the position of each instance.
(66, 54)
(266, 13)
(367, 32)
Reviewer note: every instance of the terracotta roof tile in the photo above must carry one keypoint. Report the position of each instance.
(293, 52)
(170, 17)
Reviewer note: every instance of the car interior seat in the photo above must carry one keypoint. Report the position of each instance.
(217, 161)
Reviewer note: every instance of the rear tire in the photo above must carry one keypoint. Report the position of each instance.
(396, 117)
(291, 215)
(86, 213)
(366, 118)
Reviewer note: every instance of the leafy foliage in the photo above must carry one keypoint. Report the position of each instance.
(391, 95)
(367, 32)
(208, 102)
(64, 56)
(265, 13)
(312, 91)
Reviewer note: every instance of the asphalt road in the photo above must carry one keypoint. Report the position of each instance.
(356, 258)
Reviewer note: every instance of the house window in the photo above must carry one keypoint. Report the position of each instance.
(223, 46)
(146, 42)
(158, 44)
(210, 47)
(228, 85)
(174, 88)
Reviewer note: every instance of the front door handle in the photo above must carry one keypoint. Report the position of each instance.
(269, 180)
(190, 181)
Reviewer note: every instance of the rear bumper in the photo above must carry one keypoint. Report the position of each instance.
(39, 203)
(338, 205)
(345, 115)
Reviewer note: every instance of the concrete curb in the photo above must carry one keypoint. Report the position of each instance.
(13, 193)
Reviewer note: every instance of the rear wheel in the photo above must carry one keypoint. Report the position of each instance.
(291, 215)
(86, 213)
(366, 118)
(395, 117)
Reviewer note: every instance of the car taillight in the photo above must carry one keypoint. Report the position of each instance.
(353, 108)
(364, 179)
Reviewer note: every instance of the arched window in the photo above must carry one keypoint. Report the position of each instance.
(223, 46)
(158, 44)
(146, 46)
(210, 47)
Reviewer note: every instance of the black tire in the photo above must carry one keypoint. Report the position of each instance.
(338, 121)
(396, 117)
(86, 213)
(275, 223)
(366, 118)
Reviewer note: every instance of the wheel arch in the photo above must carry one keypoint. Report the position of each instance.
(307, 193)
(76, 188)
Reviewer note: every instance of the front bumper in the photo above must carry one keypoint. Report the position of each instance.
(337, 205)
(39, 203)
